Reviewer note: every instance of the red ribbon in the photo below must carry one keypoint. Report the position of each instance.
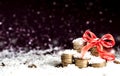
(106, 41)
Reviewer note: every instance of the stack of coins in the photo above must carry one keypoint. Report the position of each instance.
(66, 59)
(99, 65)
(81, 63)
(94, 51)
(78, 44)
(117, 61)
(97, 62)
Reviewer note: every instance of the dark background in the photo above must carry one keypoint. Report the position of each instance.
(41, 23)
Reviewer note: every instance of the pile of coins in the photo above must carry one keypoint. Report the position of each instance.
(78, 44)
(79, 62)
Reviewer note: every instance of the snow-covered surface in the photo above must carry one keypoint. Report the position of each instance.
(86, 56)
(16, 64)
(78, 41)
(96, 60)
(68, 51)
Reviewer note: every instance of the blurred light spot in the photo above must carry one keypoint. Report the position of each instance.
(66, 5)
(70, 30)
(110, 21)
(87, 22)
(62, 18)
(1, 23)
(14, 15)
(54, 3)
(118, 38)
(90, 4)
(94, 22)
(10, 28)
(101, 19)
(100, 12)
(38, 12)
(50, 16)
(49, 40)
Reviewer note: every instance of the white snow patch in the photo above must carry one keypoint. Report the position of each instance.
(86, 56)
(69, 51)
(96, 60)
(79, 41)
(17, 65)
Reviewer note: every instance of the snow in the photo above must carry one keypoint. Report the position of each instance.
(78, 41)
(69, 51)
(86, 56)
(16, 64)
(96, 60)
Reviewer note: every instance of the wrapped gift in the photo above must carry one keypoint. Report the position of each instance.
(78, 43)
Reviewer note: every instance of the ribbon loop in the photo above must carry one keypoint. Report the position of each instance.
(106, 41)
(89, 36)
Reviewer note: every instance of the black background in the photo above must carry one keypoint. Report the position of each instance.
(41, 23)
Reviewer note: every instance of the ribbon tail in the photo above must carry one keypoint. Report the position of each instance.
(104, 54)
(85, 49)
(107, 56)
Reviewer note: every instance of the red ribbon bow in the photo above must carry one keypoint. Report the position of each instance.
(106, 41)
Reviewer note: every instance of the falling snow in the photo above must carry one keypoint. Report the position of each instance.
(54, 22)
(33, 32)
